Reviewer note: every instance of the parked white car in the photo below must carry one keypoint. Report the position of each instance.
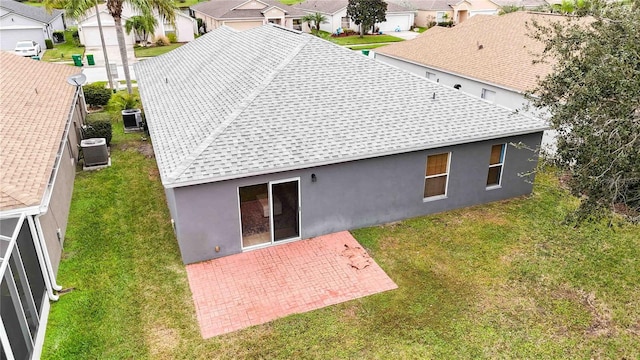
(27, 48)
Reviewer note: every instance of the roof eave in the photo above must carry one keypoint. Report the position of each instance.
(178, 184)
(468, 77)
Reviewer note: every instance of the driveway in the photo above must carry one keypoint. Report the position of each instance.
(255, 287)
(113, 53)
(407, 35)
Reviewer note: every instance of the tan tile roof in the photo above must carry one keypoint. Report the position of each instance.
(505, 58)
(35, 101)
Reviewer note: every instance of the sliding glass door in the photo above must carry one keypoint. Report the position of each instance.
(270, 212)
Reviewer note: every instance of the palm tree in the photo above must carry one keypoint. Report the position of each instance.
(142, 26)
(77, 8)
(316, 19)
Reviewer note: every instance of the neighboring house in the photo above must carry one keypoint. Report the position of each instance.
(266, 146)
(185, 27)
(40, 120)
(398, 17)
(490, 57)
(247, 14)
(23, 22)
(429, 11)
(527, 4)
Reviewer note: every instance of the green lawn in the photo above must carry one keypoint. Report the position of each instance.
(34, 3)
(63, 52)
(366, 47)
(154, 50)
(367, 39)
(504, 280)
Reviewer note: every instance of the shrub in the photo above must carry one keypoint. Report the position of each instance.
(173, 38)
(122, 100)
(48, 43)
(162, 41)
(75, 37)
(446, 24)
(98, 125)
(58, 37)
(96, 94)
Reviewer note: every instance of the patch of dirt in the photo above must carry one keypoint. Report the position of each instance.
(146, 149)
(154, 174)
(601, 323)
(162, 341)
(358, 258)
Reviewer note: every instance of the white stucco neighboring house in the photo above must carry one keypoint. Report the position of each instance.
(490, 57)
(185, 28)
(20, 22)
(398, 17)
(247, 14)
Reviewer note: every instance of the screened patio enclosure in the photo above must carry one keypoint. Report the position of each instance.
(23, 295)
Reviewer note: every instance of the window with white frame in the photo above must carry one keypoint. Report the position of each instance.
(440, 16)
(431, 76)
(436, 175)
(488, 95)
(496, 163)
(346, 22)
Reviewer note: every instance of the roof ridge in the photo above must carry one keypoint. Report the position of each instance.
(13, 192)
(193, 156)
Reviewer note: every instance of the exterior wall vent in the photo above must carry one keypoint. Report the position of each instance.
(95, 151)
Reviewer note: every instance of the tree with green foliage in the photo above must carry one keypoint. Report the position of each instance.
(79, 8)
(593, 100)
(142, 26)
(316, 19)
(366, 13)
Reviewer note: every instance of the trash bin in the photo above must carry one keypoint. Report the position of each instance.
(90, 59)
(365, 52)
(35, 57)
(77, 59)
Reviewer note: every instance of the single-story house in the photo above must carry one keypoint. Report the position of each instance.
(428, 11)
(23, 22)
(185, 27)
(247, 14)
(398, 17)
(265, 146)
(490, 57)
(40, 124)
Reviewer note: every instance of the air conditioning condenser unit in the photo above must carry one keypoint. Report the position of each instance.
(95, 152)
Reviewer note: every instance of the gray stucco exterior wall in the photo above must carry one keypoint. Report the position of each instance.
(351, 195)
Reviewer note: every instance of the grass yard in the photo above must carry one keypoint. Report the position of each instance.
(367, 39)
(366, 47)
(152, 51)
(63, 52)
(504, 280)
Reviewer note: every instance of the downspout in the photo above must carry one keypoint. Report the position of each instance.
(42, 260)
(51, 277)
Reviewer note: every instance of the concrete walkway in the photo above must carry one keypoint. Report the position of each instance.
(98, 72)
(255, 287)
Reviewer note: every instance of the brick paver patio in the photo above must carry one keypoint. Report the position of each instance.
(255, 287)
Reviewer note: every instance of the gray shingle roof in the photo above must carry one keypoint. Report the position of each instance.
(233, 104)
(31, 12)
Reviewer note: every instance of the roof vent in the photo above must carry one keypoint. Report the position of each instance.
(480, 46)
(95, 152)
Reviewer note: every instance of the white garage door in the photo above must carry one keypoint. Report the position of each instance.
(394, 21)
(91, 36)
(243, 25)
(10, 37)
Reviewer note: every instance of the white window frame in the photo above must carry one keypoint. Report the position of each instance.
(446, 184)
(501, 164)
(440, 16)
(485, 92)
